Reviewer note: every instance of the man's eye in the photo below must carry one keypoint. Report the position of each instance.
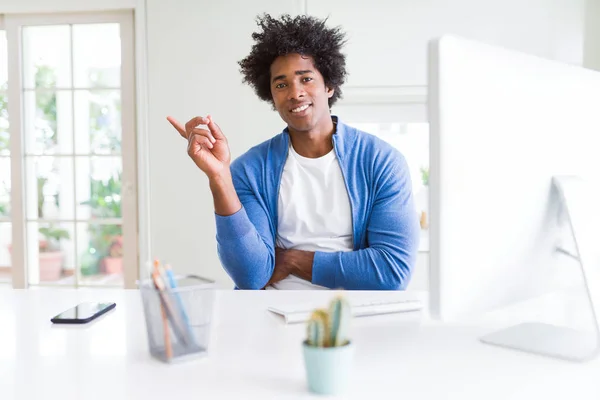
(307, 79)
(279, 85)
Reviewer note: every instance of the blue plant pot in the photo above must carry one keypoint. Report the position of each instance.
(328, 368)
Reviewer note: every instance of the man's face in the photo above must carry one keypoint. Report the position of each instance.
(299, 92)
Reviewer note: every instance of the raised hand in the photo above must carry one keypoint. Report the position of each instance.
(208, 148)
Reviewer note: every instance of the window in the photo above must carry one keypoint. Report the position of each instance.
(74, 204)
(400, 119)
(5, 225)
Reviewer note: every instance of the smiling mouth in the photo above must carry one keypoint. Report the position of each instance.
(300, 109)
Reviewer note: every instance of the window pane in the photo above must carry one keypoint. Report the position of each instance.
(50, 253)
(98, 121)
(100, 253)
(97, 55)
(46, 56)
(99, 187)
(4, 187)
(5, 247)
(4, 144)
(48, 120)
(49, 188)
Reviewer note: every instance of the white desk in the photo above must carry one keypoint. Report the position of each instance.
(254, 355)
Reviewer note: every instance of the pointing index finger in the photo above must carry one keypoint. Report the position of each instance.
(177, 126)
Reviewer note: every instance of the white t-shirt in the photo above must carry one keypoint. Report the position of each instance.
(313, 210)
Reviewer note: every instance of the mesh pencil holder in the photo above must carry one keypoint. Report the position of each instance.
(178, 320)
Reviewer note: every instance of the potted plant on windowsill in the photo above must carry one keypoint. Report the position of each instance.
(106, 241)
(328, 353)
(112, 263)
(50, 254)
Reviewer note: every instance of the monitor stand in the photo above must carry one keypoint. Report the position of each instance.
(556, 341)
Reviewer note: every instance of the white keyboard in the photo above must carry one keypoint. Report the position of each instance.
(294, 314)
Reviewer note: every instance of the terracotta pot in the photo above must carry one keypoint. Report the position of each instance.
(51, 265)
(113, 265)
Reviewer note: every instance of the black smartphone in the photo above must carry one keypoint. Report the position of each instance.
(83, 313)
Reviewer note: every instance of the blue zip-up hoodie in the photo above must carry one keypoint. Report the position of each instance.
(384, 219)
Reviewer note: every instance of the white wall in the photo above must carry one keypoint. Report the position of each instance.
(388, 40)
(193, 49)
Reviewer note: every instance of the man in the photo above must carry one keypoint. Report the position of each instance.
(320, 205)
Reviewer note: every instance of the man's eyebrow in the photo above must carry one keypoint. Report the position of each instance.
(301, 72)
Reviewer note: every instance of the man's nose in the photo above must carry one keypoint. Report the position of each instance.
(296, 91)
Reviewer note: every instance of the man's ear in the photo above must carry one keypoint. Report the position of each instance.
(330, 91)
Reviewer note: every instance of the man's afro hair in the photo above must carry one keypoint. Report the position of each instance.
(303, 35)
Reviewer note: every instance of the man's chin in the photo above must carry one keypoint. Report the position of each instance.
(300, 126)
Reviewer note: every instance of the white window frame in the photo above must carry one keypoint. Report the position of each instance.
(14, 24)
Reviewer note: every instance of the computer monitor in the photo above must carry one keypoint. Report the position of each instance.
(503, 124)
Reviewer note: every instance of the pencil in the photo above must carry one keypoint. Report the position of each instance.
(159, 288)
(168, 349)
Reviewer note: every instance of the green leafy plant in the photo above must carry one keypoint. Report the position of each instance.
(45, 101)
(105, 197)
(41, 182)
(52, 236)
(330, 328)
(104, 110)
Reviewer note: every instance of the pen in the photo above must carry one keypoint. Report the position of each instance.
(160, 287)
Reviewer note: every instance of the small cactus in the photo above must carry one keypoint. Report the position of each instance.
(330, 328)
(339, 321)
(318, 329)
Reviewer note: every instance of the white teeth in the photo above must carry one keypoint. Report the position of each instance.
(301, 108)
